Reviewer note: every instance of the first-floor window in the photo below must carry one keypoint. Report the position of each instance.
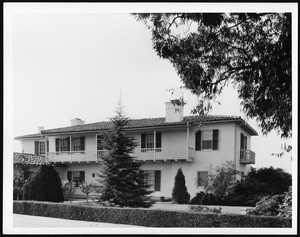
(202, 178)
(76, 176)
(153, 179)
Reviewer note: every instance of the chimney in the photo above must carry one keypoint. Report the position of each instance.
(174, 113)
(76, 121)
(40, 128)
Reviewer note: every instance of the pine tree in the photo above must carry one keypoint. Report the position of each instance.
(122, 179)
(44, 185)
(180, 194)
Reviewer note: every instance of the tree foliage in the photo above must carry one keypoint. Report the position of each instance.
(180, 194)
(44, 185)
(250, 50)
(19, 179)
(222, 180)
(122, 180)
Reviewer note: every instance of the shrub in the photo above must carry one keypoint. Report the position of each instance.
(44, 185)
(68, 188)
(86, 188)
(285, 209)
(267, 206)
(199, 208)
(180, 194)
(144, 216)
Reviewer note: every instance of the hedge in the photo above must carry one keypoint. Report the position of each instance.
(145, 217)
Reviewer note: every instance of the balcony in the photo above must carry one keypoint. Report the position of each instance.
(165, 154)
(247, 157)
(143, 154)
(76, 156)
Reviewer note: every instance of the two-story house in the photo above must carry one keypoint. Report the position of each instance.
(165, 145)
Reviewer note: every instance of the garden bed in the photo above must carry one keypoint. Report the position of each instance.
(144, 217)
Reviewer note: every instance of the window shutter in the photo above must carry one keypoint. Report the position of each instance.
(68, 144)
(57, 144)
(69, 176)
(143, 140)
(158, 140)
(36, 147)
(198, 140)
(47, 146)
(82, 176)
(215, 139)
(245, 142)
(82, 144)
(157, 180)
(242, 141)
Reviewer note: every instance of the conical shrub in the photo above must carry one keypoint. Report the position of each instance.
(44, 185)
(180, 194)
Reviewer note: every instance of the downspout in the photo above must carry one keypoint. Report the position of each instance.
(187, 140)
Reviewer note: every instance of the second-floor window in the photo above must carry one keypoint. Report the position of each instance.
(64, 144)
(147, 141)
(207, 140)
(40, 147)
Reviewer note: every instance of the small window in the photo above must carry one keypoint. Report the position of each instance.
(39, 147)
(207, 138)
(76, 176)
(202, 178)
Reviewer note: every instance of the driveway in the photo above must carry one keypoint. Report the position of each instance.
(39, 221)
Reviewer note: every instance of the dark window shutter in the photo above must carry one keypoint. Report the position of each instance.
(69, 176)
(245, 142)
(158, 140)
(143, 140)
(198, 141)
(157, 180)
(82, 176)
(82, 143)
(215, 139)
(57, 144)
(47, 146)
(68, 144)
(36, 147)
(242, 141)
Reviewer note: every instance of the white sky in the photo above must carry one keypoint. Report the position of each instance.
(75, 62)
(64, 60)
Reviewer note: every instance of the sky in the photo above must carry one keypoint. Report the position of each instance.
(76, 62)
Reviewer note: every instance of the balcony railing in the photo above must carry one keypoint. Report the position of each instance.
(76, 156)
(164, 154)
(247, 157)
(144, 154)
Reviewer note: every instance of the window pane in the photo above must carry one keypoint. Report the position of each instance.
(150, 141)
(207, 135)
(150, 178)
(206, 144)
(42, 148)
(202, 178)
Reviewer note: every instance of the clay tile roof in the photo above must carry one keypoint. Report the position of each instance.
(29, 159)
(145, 123)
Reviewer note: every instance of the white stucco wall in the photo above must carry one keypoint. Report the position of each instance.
(204, 160)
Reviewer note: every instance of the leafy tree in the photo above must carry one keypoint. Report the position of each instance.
(222, 180)
(44, 185)
(68, 188)
(250, 50)
(268, 206)
(258, 184)
(180, 194)
(86, 188)
(19, 179)
(122, 180)
(285, 208)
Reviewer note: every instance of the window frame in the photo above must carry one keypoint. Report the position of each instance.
(154, 181)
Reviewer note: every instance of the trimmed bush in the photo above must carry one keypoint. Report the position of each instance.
(180, 194)
(285, 209)
(268, 206)
(144, 216)
(44, 185)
